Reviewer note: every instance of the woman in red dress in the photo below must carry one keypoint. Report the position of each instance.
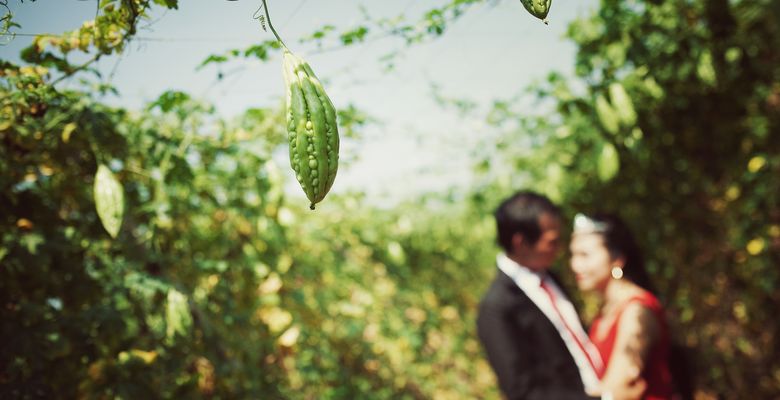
(630, 331)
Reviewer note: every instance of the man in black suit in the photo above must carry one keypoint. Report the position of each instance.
(529, 329)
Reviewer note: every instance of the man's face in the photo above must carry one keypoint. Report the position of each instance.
(541, 255)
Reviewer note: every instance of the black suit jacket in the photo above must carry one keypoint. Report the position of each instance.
(525, 350)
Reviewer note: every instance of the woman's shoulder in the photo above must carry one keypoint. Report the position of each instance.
(645, 299)
(639, 317)
(643, 310)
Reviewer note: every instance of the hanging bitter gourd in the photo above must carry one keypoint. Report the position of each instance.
(109, 200)
(312, 130)
(538, 8)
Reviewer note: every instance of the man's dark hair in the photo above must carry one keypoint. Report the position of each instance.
(520, 214)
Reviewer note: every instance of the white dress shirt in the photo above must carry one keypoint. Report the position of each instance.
(530, 282)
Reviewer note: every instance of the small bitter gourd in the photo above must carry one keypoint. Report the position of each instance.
(538, 8)
(109, 200)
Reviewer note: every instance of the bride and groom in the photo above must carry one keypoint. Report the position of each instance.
(531, 332)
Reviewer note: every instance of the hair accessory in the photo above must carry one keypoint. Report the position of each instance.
(583, 224)
(617, 272)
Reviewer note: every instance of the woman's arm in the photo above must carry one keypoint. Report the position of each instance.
(637, 332)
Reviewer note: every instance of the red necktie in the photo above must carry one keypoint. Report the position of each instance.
(551, 294)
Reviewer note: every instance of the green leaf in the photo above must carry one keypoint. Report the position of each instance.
(705, 69)
(653, 88)
(608, 162)
(145, 286)
(623, 104)
(354, 36)
(554, 176)
(607, 115)
(177, 314)
(169, 100)
(319, 34)
(31, 241)
(259, 51)
(172, 4)
(616, 54)
(212, 59)
(109, 200)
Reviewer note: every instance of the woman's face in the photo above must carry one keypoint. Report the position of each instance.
(590, 261)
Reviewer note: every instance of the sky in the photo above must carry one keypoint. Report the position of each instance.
(493, 52)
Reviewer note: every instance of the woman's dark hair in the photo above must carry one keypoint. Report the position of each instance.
(520, 213)
(620, 242)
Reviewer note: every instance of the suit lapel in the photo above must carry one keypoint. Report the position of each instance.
(557, 281)
(527, 309)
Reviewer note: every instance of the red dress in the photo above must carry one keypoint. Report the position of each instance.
(656, 372)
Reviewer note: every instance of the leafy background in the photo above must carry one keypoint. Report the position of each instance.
(218, 285)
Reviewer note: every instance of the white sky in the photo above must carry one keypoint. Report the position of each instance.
(493, 52)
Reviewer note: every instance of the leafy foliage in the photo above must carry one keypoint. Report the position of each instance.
(432, 24)
(114, 25)
(143, 315)
(215, 286)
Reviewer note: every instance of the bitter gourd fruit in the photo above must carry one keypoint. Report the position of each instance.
(312, 129)
(109, 200)
(538, 8)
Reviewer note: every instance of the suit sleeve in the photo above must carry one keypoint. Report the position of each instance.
(508, 355)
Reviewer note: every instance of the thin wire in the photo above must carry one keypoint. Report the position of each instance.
(294, 13)
(215, 39)
(143, 38)
(234, 80)
(358, 59)
(220, 81)
(119, 59)
(433, 55)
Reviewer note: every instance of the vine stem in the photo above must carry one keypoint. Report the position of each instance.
(270, 25)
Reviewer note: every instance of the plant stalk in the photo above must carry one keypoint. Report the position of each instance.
(270, 25)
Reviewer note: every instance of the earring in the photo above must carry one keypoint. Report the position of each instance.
(617, 272)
